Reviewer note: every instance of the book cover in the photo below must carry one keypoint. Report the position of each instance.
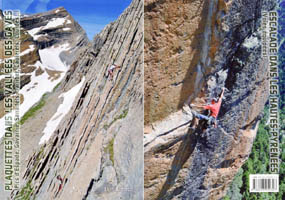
(80, 98)
(214, 99)
(71, 98)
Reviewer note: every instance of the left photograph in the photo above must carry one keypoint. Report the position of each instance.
(71, 99)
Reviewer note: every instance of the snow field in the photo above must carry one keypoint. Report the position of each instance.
(62, 110)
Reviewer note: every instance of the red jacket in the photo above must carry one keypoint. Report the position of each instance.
(214, 108)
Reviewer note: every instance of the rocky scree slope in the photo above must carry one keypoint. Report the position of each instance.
(97, 149)
(219, 47)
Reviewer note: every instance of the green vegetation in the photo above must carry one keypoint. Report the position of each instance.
(110, 149)
(57, 85)
(121, 116)
(31, 112)
(26, 192)
(234, 190)
(106, 126)
(37, 107)
(258, 161)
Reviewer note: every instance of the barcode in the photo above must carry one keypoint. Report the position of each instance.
(264, 182)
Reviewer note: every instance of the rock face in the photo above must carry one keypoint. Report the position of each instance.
(182, 163)
(55, 27)
(97, 148)
(173, 31)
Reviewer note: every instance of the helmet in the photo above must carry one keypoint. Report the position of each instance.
(214, 100)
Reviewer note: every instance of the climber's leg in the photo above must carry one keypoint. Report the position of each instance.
(215, 123)
(200, 116)
(212, 121)
(196, 121)
(110, 73)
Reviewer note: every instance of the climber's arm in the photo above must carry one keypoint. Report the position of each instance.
(117, 66)
(222, 94)
(198, 106)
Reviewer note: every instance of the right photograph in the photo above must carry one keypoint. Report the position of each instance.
(214, 99)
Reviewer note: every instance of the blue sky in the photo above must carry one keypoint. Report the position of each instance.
(92, 15)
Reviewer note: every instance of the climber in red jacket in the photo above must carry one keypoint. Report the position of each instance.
(214, 108)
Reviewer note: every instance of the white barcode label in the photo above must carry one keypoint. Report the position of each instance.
(264, 182)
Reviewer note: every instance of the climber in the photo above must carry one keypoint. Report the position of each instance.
(214, 108)
(60, 183)
(111, 70)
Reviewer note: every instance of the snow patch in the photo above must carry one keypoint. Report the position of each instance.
(62, 110)
(55, 22)
(66, 29)
(33, 33)
(33, 92)
(38, 86)
(43, 83)
(54, 52)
